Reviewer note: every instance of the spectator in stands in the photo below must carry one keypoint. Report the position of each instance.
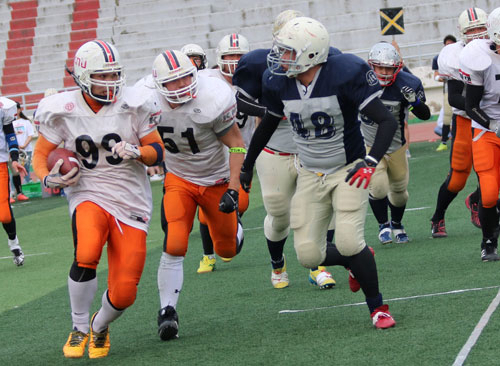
(446, 114)
(24, 134)
(21, 123)
(9, 146)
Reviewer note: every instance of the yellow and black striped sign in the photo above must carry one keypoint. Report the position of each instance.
(391, 21)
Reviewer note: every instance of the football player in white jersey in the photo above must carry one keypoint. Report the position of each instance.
(196, 54)
(9, 148)
(276, 165)
(480, 70)
(472, 25)
(197, 127)
(388, 186)
(112, 130)
(321, 96)
(229, 51)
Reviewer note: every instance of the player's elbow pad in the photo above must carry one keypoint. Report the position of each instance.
(248, 106)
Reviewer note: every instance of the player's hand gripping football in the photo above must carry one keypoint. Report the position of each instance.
(362, 171)
(126, 151)
(229, 201)
(55, 180)
(246, 179)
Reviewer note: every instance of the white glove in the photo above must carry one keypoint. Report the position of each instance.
(409, 94)
(56, 180)
(495, 126)
(126, 151)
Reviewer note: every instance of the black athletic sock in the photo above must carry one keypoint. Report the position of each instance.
(364, 269)
(374, 302)
(445, 134)
(334, 258)
(276, 251)
(397, 213)
(16, 179)
(488, 217)
(10, 229)
(379, 208)
(206, 240)
(330, 235)
(475, 196)
(443, 201)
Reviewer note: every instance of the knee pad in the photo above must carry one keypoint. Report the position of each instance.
(277, 204)
(347, 241)
(309, 255)
(398, 199)
(81, 274)
(379, 187)
(276, 228)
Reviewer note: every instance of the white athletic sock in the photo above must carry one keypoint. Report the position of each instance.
(106, 314)
(170, 279)
(81, 295)
(14, 244)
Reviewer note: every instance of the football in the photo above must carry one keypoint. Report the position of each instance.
(69, 157)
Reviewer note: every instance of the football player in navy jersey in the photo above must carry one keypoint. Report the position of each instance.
(276, 166)
(321, 96)
(402, 91)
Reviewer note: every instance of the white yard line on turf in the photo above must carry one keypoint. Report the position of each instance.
(464, 352)
(26, 255)
(395, 299)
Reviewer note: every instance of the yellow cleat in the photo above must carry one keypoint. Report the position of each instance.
(207, 264)
(75, 345)
(226, 259)
(321, 278)
(279, 277)
(99, 342)
(442, 147)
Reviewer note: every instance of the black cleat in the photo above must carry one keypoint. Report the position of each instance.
(489, 250)
(168, 323)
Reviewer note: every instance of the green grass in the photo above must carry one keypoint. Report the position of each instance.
(231, 316)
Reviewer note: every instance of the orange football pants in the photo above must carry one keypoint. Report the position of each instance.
(486, 152)
(92, 228)
(461, 155)
(180, 200)
(5, 209)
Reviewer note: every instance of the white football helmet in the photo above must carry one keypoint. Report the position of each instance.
(470, 19)
(385, 54)
(307, 41)
(193, 50)
(174, 65)
(98, 57)
(284, 17)
(493, 25)
(231, 44)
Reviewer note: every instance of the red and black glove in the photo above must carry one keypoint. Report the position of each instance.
(362, 171)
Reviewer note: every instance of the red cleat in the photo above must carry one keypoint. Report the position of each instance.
(474, 211)
(382, 318)
(12, 200)
(438, 229)
(353, 282)
(22, 197)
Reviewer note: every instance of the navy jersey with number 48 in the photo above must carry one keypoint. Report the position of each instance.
(324, 116)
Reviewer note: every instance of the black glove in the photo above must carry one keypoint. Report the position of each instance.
(246, 179)
(363, 170)
(229, 201)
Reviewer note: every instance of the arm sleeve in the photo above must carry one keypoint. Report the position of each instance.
(455, 97)
(10, 137)
(42, 150)
(152, 149)
(378, 113)
(474, 94)
(260, 138)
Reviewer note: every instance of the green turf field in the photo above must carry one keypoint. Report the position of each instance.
(232, 316)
